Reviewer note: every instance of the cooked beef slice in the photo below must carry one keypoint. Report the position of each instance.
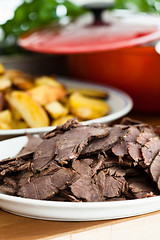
(45, 187)
(13, 165)
(72, 123)
(115, 171)
(84, 188)
(155, 167)
(8, 189)
(63, 177)
(150, 150)
(31, 145)
(44, 153)
(129, 121)
(110, 186)
(52, 167)
(140, 187)
(134, 150)
(24, 177)
(131, 134)
(9, 186)
(145, 135)
(157, 130)
(105, 143)
(70, 144)
(68, 196)
(120, 149)
(40, 188)
(81, 167)
(114, 186)
(99, 164)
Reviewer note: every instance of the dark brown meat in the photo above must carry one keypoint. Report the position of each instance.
(104, 144)
(71, 143)
(150, 150)
(155, 168)
(44, 153)
(84, 188)
(140, 187)
(31, 145)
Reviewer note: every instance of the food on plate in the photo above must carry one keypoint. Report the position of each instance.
(86, 107)
(91, 163)
(42, 101)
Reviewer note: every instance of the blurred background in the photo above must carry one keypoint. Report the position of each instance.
(135, 69)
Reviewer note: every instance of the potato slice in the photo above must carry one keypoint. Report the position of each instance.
(5, 82)
(2, 69)
(16, 115)
(19, 124)
(89, 92)
(20, 79)
(56, 109)
(87, 108)
(6, 120)
(45, 80)
(45, 94)
(5, 125)
(33, 114)
(62, 120)
(6, 116)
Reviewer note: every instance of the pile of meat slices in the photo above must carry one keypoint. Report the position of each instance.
(90, 163)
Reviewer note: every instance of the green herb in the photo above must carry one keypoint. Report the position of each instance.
(32, 14)
(149, 6)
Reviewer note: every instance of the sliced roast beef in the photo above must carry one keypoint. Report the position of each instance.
(70, 144)
(81, 167)
(105, 143)
(72, 123)
(150, 150)
(39, 188)
(84, 188)
(110, 186)
(120, 149)
(131, 134)
(140, 187)
(86, 163)
(145, 135)
(44, 153)
(31, 145)
(134, 150)
(13, 165)
(155, 168)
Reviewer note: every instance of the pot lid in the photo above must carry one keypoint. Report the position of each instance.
(97, 36)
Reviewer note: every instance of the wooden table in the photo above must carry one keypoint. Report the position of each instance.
(144, 227)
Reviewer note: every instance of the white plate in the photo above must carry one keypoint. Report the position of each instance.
(119, 102)
(69, 211)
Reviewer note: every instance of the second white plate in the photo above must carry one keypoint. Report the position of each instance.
(120, 104)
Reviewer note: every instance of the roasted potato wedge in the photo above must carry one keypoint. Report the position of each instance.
(5, 82)
(62, 120)
(50, 81)
(56, 109)
(2, 69)
(89, 92)
(45, 94)
(20, 79)
(33, 114)
(87, 108)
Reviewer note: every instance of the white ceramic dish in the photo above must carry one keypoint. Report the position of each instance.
(119, 102)
(69, 211)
